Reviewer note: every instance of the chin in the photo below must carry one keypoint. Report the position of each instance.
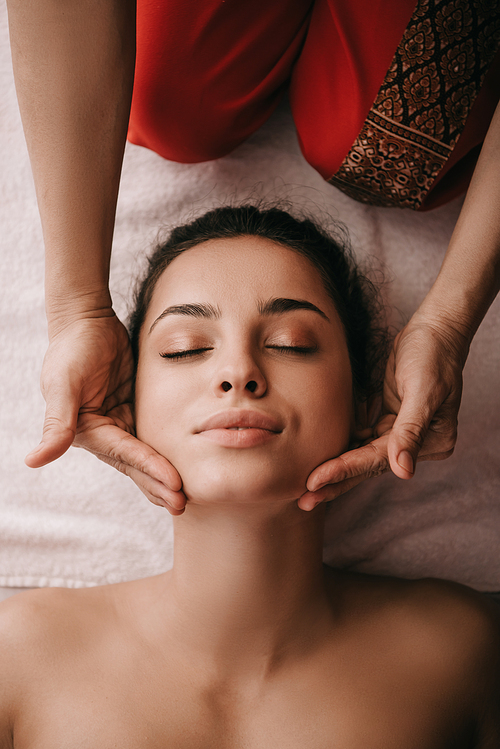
(226, 485)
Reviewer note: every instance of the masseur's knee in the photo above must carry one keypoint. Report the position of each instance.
(208, 74)
(181, 130)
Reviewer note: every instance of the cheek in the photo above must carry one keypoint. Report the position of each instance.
(328, 409)
(144, 413)
(156, 409)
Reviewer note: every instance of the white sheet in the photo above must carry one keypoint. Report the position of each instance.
(79, 523)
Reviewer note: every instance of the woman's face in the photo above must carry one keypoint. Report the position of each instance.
(243, 382)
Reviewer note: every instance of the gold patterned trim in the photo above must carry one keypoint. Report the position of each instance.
(423, 103)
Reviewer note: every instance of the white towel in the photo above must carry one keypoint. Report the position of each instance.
(78, 522)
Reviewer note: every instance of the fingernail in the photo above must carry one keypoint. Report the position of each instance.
(406, 461)
(308, 508)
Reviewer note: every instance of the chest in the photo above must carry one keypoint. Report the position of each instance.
(140, 711)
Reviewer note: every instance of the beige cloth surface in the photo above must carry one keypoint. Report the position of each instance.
(78, 522)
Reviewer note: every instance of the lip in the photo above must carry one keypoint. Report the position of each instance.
(239, 417)
(257, 428)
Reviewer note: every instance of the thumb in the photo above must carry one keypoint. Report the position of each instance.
(59, 427)
(407, 436)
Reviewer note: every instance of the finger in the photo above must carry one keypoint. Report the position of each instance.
(59, 427)
(330, 492)
(442, 434)
(120, 449)
(443, 455)
(408, 434)
(155, 491)
(369, 460)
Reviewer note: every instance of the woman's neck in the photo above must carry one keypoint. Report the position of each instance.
(247, 588)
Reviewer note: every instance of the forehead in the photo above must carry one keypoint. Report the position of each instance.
(239, 271)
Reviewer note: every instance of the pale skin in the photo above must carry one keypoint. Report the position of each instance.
(75, 108)
(249, 641)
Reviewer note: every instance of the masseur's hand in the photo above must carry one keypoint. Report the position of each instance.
(87, 385)
(422, 392)
(423, 381)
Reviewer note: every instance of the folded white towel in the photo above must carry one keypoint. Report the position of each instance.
(78, 522)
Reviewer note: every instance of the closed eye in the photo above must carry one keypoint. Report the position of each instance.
(176, 355)
(304, 350)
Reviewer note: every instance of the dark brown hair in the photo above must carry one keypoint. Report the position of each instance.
(354, 295)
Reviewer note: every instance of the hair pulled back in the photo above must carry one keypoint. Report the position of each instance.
(354, 295)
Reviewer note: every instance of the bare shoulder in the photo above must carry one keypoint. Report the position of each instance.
(444, 635)
(451, 620)
(36, 616)
(463, 628)
(31, 623)
(39, 630)
(448, 614)
(460, 621)
(25, 627)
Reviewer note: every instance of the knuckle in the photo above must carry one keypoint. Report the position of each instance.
(347, 471)
(121, 451)
(371, 461)
(334, 472)
(439, 455)
(379, 461)
(438, 441)
(374, 472)
(413, 432)
(111, 461)
(445, 427)
(145, 464)
(54, 424)
(378, 471)
(380, 468)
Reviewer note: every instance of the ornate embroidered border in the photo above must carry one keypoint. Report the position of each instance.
(423, 103)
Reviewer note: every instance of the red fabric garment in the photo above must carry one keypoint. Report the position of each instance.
(348, 49)
(209, 73)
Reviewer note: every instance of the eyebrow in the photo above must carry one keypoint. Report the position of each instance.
(280, 305)
(276, 306)
(190, 310)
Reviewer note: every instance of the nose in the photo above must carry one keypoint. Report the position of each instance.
(241, 375)
(251, 386)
